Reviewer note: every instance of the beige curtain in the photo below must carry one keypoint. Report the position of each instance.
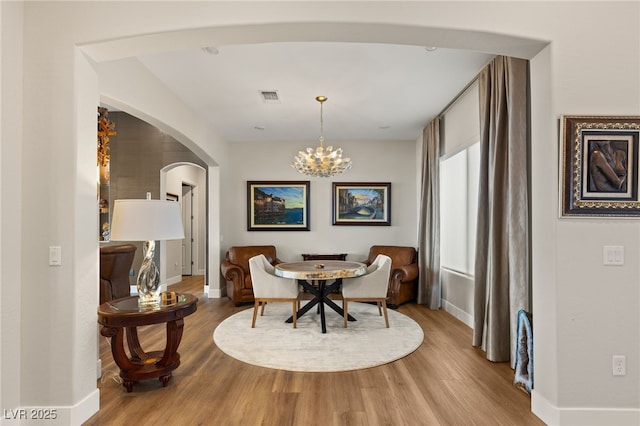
(429, 232)
(502, 278)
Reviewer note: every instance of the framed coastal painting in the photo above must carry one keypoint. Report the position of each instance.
(599, 164)
(278, 205)
(362, 203)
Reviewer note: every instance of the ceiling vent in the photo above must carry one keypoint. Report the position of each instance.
(270, 96)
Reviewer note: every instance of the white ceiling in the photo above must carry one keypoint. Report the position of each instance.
(375, 91)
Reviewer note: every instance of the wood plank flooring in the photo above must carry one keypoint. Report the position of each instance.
(445, 382)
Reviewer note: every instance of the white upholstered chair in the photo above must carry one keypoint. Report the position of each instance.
(371, 287)
(267, 287)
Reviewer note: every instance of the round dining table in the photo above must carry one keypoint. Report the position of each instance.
(314, 271)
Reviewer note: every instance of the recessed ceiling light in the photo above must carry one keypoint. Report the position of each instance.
(210, 50)
(430, 48)
(258, 128)
(387, 127)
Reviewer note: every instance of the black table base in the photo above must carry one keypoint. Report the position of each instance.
(321, 297)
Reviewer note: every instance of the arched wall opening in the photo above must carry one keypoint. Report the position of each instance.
(121, 89)
(113, 58)
(192, 250)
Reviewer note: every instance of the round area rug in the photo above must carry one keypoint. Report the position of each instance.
(273, 343)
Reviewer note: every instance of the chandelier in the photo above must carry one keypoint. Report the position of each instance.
(321, 162)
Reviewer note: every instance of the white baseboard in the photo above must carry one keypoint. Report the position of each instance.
(214, 293)
(542, 408)
(463, 316)
(582, 416)
(174, 280)
(68, 415)
(99, 368)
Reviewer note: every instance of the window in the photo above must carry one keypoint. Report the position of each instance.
(458, 209)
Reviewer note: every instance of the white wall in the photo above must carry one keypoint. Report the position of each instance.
(583, 312)
(11, 40)
(579, 322)
(457, 295)
(371, 163)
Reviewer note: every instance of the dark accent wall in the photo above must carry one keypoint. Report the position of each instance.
(138, 152)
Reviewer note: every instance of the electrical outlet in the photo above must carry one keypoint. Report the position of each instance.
(619, 365)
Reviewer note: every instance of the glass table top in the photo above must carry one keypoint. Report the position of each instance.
(130, 304)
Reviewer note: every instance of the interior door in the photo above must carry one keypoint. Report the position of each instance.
(187, 221)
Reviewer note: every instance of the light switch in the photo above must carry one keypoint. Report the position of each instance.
(613, 255)
(55, 256)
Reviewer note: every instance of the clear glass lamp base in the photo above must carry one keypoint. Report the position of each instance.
(148, 283)
(149, 301)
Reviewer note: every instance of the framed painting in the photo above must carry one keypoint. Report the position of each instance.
(277, 205)
(367, 203)
(599, 165)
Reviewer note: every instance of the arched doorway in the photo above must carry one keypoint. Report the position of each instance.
(186, 183)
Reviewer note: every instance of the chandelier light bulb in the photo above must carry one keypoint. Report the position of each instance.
(321, 162)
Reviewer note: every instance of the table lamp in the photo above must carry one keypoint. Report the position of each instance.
(147, 220)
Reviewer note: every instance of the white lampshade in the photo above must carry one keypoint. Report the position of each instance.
(146, 220)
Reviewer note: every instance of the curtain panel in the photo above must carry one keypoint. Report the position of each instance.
(502, 277)
(429, 289)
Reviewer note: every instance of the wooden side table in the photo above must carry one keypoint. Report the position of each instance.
(121, 316)
(340, 256)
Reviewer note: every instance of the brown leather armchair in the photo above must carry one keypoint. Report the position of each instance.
(235, 270)
(115, 264)
(403, 281)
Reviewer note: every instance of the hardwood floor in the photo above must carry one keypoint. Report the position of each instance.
(445, 382)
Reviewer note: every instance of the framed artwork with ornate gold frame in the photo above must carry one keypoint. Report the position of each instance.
(599, 164)
(361, 203)
(278, 205)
